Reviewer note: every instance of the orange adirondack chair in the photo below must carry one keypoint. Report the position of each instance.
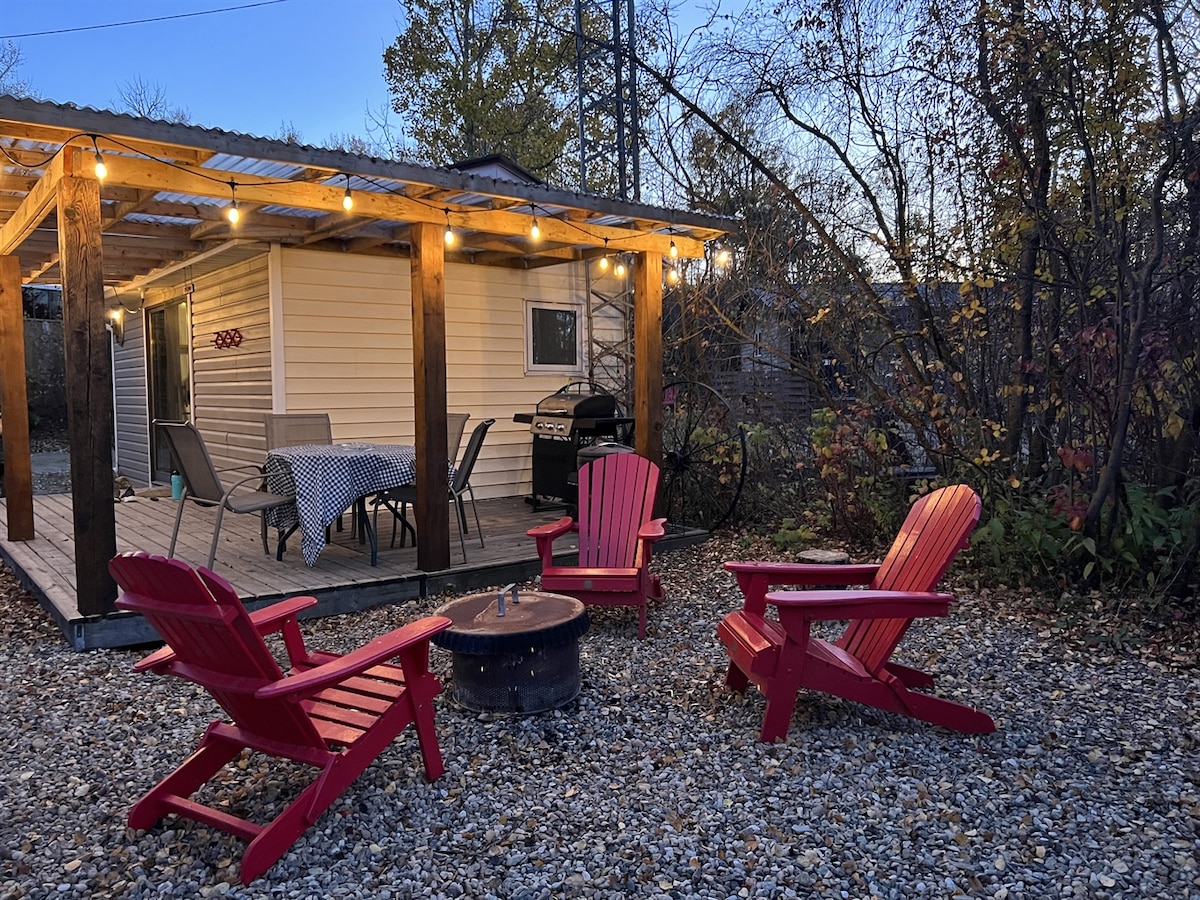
(357, 703)
(616, 537)
(781, 656)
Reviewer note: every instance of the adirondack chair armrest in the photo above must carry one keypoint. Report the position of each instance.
(796, 574)
(652, 531)
(545, 535)
(554, 529)
(379, 650)
(755, 578)
(824, 606)
(271, 618)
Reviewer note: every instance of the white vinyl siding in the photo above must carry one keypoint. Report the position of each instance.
(231, 386)
(347, 327)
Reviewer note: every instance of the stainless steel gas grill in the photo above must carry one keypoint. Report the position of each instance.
(565, 421)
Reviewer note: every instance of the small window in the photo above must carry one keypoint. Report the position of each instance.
(553, 337)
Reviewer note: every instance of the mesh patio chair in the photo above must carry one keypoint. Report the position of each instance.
(297, 429)
(397, 499)
(203, 486)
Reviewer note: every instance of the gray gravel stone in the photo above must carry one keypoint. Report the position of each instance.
(650, 784)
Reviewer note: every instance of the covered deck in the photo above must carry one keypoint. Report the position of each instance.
(343, 578)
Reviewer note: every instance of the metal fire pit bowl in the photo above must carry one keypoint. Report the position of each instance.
(524, 661)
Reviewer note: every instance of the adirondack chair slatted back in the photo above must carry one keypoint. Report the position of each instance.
(616, 497)
(215, 643)
(936, 528)
(195, 465)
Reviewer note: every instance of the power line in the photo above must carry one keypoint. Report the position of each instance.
(206, 12)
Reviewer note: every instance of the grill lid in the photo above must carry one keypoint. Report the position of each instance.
(579, 406)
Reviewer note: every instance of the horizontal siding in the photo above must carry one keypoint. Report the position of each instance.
(231, 386)
(347, 325)
(131, 413)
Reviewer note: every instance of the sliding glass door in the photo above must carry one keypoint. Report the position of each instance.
(170, 377)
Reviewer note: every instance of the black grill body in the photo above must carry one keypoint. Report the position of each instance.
(563, 423)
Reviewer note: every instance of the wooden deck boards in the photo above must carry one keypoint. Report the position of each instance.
(342, 579)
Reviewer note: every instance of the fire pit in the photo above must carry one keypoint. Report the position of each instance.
(514, 654)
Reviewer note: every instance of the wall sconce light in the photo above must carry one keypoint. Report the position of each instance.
(115, 323)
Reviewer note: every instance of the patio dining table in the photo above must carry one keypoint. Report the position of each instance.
(327, 479)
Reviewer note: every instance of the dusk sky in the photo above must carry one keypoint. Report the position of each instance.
(314, 64)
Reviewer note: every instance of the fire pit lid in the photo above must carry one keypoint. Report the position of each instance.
(539, 621)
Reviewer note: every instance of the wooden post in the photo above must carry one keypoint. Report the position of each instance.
(648, 356)
(14, 400)
(88, 353)
(429, 383)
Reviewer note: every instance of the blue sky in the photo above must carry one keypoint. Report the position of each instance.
(314, 64)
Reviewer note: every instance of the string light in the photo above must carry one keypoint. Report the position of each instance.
(722, 255)
(233, 213)
(101, 168)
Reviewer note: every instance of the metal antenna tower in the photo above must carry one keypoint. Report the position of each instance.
(609, 132)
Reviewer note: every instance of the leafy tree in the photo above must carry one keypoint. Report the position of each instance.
(473, 77)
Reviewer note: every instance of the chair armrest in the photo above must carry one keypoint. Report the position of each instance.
(379, 650)
(271, 618)
(807, 573)
(652, 531)
(755, 578)
(553, 529)
(824, 606)
(267, 620)
(246, 467)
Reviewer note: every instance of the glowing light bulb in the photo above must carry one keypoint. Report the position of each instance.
(672, 276)
(233, 213)
(723, 257)
(101, 168)
(347, 201)
(449, 236)
(674, 251)
(619, 271)
(535, 231)
(603, 264)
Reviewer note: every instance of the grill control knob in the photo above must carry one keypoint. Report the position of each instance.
(560, 426)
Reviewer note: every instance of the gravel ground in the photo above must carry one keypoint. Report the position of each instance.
(651, 784)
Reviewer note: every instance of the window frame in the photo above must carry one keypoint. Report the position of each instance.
(574, 306)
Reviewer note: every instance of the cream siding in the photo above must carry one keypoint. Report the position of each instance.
(347, 327)
(231, 387)
(132, 420)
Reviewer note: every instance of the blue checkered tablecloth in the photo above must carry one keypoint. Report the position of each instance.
(326, 479)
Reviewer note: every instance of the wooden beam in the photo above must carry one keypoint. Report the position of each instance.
(648, 356)
(429, 395)
(88, 352)
(18, 467)
(150, 175)
(31, 212)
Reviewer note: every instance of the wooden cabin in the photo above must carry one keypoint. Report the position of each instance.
(336, 289)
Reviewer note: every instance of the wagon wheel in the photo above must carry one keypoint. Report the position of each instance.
(704, 456)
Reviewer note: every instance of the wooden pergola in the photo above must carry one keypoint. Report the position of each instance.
(164, 200)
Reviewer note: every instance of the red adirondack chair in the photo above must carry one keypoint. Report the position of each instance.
(781, 656)
(337, 713)
(616, 536)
